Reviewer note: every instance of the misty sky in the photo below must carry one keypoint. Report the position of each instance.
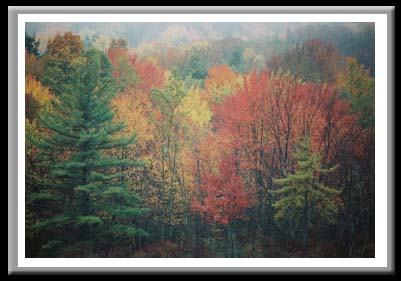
(174, 33)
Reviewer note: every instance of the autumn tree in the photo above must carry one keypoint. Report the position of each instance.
(222, 197)
(252, 60)
(312, 60)
(36, 97)
(356, 89)
(37, 103)
(137, 79)
(62, 57)
(221, 81)
(152, 75)
(227, 51)
(261, 121)
(195, 125)
(134, 105)
(201, 145)
(34, 66)
(168, 128)
(357, 85)
(354, 40)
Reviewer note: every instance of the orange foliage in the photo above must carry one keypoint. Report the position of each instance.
(221, 81)
(37, 97)
(67, 46)
(151, 75)
(221, 75)
(116, 53)
(223, 196)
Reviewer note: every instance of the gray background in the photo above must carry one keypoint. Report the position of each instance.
(13, 136)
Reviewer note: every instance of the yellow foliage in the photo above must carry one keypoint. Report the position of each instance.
(67, 46)
(152, 59)
(34, 88)
(102, 43)
(221, 81)
(37, 97)
(133, 107)
(33, 66)
(196, 108)
(355, 80)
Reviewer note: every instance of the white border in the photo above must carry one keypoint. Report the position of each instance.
(380, 259)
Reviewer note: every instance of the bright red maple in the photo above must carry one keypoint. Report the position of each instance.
(151, 75)
(222, 196)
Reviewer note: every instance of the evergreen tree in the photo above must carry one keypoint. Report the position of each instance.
(236, 60)
(31, 45)
(197, 64)
(97, 208)
(303, 198)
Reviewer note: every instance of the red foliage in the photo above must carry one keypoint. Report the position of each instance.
(151, 75)
(237, 111)
(116, 53)
(223, 196)
(263, 120)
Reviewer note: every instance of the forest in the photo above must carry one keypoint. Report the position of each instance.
(197, 140)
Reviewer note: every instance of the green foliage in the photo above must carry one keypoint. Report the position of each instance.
(53, 224)
(97, 186)
(31, 45)
(124, 73)
(197, 64)
(236, 60)
(303, 199)
(82, 127)
(312, 60)
(120, 42)
(88, 221)
(127, 212)
(62, 58)
(121, 230)
(357, 41)
(170, 97)
(117, 192)
(359, 88)
(78, 249)
(39, 197)
(52, 249)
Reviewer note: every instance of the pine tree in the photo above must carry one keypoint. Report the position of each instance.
(32, 45)
(98, 209)
(302, 197)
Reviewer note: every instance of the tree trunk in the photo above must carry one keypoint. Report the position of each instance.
(235, 247)
(163, 228)
(306, 220)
